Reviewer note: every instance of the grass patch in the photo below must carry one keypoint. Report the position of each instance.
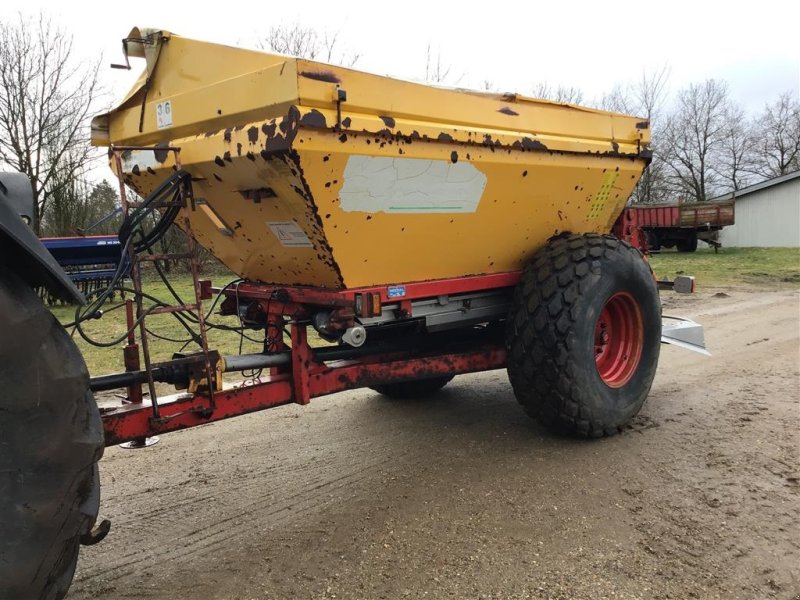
(113, 324)
(773, 267)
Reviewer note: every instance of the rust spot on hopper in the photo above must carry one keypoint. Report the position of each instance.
(530, 144)
(257, 194)
(161, 153)
(313, 118)
(326, 76)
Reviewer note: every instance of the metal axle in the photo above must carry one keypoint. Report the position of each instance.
(176, 371)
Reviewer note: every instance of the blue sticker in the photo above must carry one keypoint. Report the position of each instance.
(397, 291)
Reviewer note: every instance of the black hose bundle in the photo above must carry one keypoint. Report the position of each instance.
(165, 202)
(168, 195)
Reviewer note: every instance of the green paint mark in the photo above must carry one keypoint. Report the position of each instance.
(449, 208)
(602, 195)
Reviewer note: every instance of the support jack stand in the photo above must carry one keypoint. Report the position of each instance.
(139, 443)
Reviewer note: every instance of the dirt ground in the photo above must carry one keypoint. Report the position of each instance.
(463, 496)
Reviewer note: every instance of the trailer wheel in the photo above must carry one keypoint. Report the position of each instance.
(689, 243)
(653, 243)
(52, 438)
(417, 388)
(583, 335)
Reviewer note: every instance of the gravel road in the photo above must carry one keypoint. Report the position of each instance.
(463, 496)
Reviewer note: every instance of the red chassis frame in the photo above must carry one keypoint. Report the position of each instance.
(305, 378)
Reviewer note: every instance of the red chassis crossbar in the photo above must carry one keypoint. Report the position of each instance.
(305, 378)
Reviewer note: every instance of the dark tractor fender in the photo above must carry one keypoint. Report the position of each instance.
(20, 249)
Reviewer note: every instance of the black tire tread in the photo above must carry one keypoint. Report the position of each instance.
(689, 244)
(52, 439)
(545, 309)
(653, 241)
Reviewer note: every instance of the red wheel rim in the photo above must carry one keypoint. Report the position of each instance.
(618, 340)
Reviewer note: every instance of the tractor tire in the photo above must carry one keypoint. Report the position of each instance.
(51, 438)
(688, 244)
(583, 335)
(417, 388)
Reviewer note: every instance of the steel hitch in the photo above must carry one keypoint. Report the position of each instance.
(96, 534)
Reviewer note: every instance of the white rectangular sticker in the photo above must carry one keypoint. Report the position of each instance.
(289, 234)
(164, 114)
(397, 185)
(142, 159)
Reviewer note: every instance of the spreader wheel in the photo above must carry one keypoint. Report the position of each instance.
(51, 438)
(584, 334)
(618, 340)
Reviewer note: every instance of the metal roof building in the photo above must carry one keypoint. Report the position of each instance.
(767, 214)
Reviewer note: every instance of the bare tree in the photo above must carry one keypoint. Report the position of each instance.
(778, 141)
(643, 98)
(305, 42)
(293, 40)
(78, 207)
(619, 99)
(650, 92)
(646, 98)
(437, 71)
(653, 185)
(106, 211)
(68, 208)
(735, 164)
(561, 93)
(693, 137)
(45, 99)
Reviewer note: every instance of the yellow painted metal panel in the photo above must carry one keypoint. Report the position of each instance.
(397, 182)
(210, 87)
(526, 200)
(457, 113)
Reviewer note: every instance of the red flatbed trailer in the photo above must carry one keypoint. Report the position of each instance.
(681, 225)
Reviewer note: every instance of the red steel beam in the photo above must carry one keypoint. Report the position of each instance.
(441, 287)
(413, 291)
(133, 421)
(366, 375)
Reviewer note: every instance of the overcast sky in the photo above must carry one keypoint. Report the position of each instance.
(514, 45)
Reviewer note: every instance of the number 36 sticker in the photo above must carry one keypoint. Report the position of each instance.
(164, 114)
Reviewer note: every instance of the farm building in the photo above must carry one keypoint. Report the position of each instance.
(767, 214)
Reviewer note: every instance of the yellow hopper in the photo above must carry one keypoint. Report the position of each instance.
(311, 174)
